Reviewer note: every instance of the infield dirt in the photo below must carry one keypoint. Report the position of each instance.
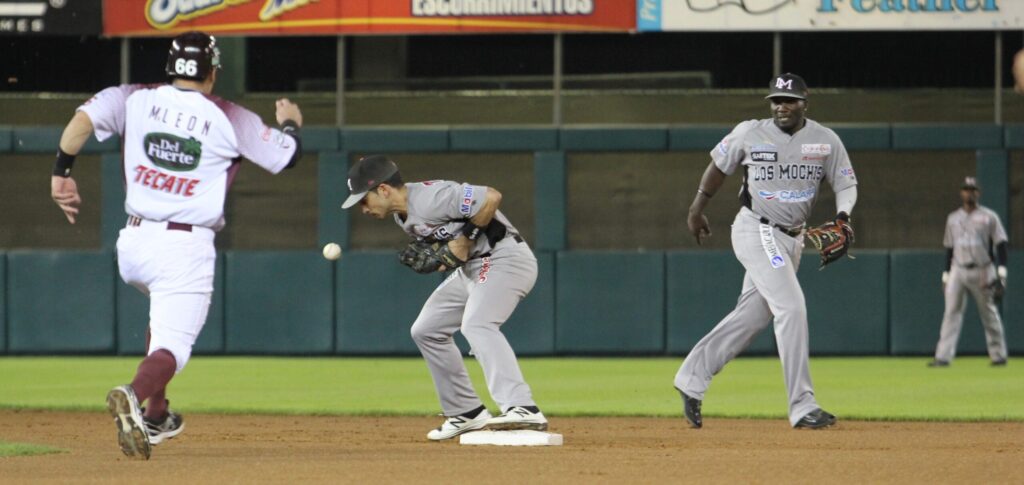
(328, 449)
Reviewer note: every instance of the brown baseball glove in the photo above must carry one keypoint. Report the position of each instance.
(832, 239)
(428, 257)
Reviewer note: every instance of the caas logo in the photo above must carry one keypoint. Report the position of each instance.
(172, 152)
(165, 14)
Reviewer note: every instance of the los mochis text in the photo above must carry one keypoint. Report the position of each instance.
(794, 171)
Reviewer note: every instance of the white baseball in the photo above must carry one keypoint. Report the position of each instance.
(332, 251)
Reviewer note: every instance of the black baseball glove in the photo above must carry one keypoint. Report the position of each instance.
(998, 290)
(428, 257)
(832, 239)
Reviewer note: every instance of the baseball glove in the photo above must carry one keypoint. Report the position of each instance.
(998, 290)
(832, 239)
(428, 257)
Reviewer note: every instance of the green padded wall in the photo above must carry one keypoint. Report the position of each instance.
(320, 139)
(394, 139)
(584, 138)
(1013, 303)
(916, 305)
(3, 302)
(60, 301)
(44, 139)
(113, 217)
(702, 288)
(698, 138)
(847, 303)
(610, 302)
(993, 172)
(377, 300)
(5, 138)
(332, 191)
(863, 136)
(935, 136)
(133, 318)
(1013, 135)
(503, 139)
(550, 199)
(278, 302)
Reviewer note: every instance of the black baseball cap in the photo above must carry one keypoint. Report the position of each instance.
(787, 85)
(365, 175)
(970, 183)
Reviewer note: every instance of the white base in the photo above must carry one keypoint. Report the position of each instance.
(511, 438)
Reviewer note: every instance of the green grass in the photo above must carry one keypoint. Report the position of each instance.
(853, 388)
(22, 449)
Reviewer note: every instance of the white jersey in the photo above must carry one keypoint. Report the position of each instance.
(973, 235)
(783, 171)
(182, 148)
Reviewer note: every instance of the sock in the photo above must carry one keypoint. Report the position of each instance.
(156, 408)
(155, 371)
(474, 413)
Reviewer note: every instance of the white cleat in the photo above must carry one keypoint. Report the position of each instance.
(171, 426)
(518, 417)
(131, 432)
(456, 425)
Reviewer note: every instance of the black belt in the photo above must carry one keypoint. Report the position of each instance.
(488, 253)
(791, 232)
(135, 221)
(972, 265)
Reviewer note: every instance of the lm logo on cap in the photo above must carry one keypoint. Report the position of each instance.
(784, 84)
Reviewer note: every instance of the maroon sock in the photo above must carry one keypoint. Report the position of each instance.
(155, 371)
(156, 408)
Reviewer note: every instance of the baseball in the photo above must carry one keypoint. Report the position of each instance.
(332, 251)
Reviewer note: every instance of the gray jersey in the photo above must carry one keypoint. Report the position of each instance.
(973, 235)
(438, 209)
(783, 172)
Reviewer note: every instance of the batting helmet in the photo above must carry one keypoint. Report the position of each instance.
(193, 55)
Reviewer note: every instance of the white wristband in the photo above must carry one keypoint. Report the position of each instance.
(1001, 271)
(945, 277)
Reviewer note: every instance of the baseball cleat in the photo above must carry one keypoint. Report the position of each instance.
(456, 425)
(817, 419)
(691, 409)
(131, 431)
(519, 417)
(172, 425)
(938, 363)
(999, 363)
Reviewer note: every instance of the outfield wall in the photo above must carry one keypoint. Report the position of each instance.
(652, 301)
(585, 302)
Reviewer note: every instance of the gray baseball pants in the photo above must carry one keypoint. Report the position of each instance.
(771, 293)
(977, 281)
(477, 299)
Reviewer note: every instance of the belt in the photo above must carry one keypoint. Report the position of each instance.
(136, 221)
(972, 265)
(488, 253)
(789, 231)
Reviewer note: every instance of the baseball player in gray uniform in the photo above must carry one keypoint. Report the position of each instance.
(974, 240)
(476, 298)
(783, 160)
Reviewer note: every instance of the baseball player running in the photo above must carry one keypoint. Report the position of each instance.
(182, 149)
(783, 160)
(459, 227)
(972, 233)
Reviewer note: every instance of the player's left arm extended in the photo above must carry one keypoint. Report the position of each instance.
(845, 200)
(63, 188)
(475, 227)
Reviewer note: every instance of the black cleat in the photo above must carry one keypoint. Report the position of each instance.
(817, 419)
(691, 409)
(938, 363)
(999, 363)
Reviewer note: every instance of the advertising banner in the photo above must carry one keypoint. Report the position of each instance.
(50, 17)
(310, 17)
(804, 15)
